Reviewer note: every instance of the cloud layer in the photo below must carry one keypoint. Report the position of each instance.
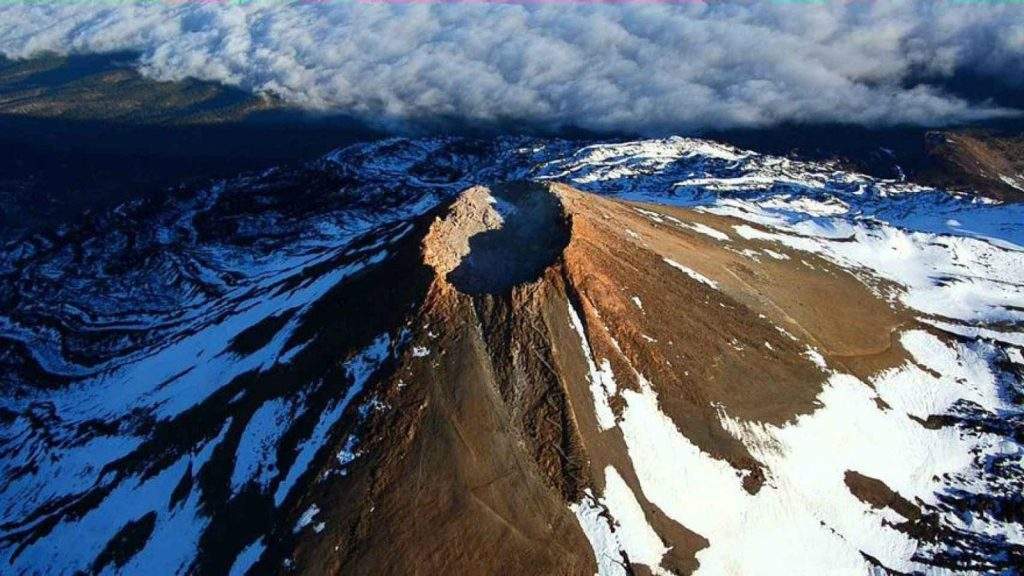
(645, 67)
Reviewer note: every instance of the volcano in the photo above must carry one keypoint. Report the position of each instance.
(519, 377)
(544, 310)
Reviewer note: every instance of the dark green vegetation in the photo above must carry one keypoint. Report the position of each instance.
(88, 132)
(108, 88)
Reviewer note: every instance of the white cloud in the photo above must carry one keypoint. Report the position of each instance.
(651, 68)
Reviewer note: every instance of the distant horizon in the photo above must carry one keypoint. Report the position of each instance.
(67, 72)
(606, 67)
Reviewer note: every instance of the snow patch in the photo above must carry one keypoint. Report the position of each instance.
(247, 558)
(359, 369)
(635, 535)
(602, 380)
(255, 459)
(805, 517)
(706, 230)
(692, 273)
(603, 541)
(306, 517)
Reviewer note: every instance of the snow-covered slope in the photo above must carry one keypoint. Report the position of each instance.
(180, 374)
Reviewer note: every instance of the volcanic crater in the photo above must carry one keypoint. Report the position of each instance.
(493, 239)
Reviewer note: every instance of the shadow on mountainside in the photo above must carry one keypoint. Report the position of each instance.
(533, 233)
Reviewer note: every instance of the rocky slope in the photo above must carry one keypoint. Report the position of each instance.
(432, 356)
(991, 164)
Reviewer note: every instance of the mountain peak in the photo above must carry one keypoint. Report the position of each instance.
(493, 239)
(374, 366)
(610, 317)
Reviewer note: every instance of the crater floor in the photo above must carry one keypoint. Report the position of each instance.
(503, 237)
